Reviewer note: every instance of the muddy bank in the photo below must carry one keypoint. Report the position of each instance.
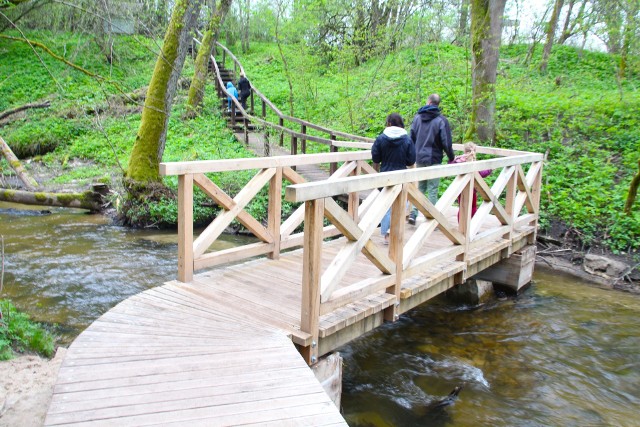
(597, 266)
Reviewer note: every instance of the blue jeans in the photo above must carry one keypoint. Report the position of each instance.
(430, 188)
(385, 224)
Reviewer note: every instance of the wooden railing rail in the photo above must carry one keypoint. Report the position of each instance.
(193, 252)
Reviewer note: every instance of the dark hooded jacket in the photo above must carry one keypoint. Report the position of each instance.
(431, 134)
(393, 149)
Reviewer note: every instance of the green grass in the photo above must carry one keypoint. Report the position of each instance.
(18, 334)
(578, 112)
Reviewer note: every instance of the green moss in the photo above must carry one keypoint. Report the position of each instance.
(40, 197)
(66, 199)
(7, 195)
(145, 158)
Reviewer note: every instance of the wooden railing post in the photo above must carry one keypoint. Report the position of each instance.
(354, 198)
(464, 223)
(252, 102)
(396, 245)
(535, 196)
(281, 123)
(311, 274)
(264, 110)
(274, 213)
(303, 129)
(510, 203)
(294, 145)
(233, 114)
(333, 167)
(246, 130)
(185, 228)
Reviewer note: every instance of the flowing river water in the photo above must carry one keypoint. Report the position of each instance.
(563, 353)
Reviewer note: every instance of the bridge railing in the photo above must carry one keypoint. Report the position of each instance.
(513, 199)
(270, 172)
(509, 204)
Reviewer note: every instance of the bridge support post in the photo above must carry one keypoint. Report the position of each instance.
(464, 225)
(328, 372)
(472, 291)
(311, 274)
(185, 228)
(513, 273)
(275, 212)
(396, 245)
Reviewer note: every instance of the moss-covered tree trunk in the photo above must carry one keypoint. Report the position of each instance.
(486, 30)
(196, 90)
(149, 146)
(88, 200)
(551, 34)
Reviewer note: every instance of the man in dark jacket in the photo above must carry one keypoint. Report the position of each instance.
(244, 87)
(431, 134)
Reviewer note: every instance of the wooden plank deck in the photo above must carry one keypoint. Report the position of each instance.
(219, 351)
(176, 356)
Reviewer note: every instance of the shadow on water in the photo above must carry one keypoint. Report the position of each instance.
(561, 354)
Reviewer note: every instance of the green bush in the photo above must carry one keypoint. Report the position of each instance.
(19, 334)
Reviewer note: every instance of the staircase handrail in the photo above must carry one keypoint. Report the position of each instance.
(283, 116)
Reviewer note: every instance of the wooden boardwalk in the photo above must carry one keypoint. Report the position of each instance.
(181, 355)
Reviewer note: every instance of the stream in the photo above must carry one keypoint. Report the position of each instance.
(563, 353)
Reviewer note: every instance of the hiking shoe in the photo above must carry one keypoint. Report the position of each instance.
(412, 220)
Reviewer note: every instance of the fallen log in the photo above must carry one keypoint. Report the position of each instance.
(90, 200)
(8, 113)
(30, 183)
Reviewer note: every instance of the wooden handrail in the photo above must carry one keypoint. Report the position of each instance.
(283, 117)
(316, 190)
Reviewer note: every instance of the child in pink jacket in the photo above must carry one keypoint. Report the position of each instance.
(470, 156)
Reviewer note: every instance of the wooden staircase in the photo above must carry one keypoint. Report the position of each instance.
(235, 119)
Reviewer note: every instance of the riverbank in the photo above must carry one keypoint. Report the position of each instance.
(27, 387)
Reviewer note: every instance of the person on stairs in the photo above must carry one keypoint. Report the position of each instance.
(233, 93)
(245, 90)
(395, 151)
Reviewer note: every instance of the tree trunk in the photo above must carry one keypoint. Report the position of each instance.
(570, 27)
(486, 31)
(630, 29)
(612, 16)
(462, 24)
(7, 113)
(245, 29)
(29, 183)
(147, 152)
(87, 200)
(551, 33)
(196, 90)
(633, 192)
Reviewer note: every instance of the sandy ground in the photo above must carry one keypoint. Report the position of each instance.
(26, 387)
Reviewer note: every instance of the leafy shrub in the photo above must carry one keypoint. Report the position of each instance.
(19, 333)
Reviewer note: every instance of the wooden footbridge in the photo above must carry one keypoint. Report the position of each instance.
(229, 342)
